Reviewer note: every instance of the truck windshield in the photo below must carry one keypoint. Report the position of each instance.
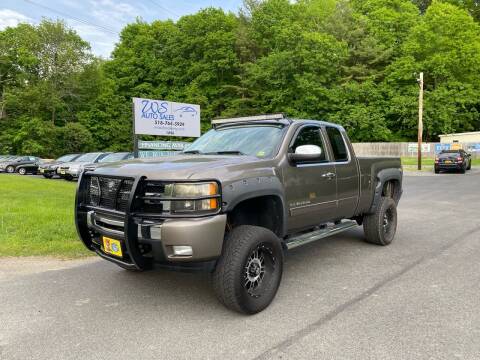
(261, 141)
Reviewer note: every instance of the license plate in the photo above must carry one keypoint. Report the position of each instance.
(62, 172)
(112, 246)
(448, 161)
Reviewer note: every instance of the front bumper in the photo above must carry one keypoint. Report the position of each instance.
(74, 172)
(147, 241)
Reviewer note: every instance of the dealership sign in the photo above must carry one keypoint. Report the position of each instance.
(413, 147)
(167, 118)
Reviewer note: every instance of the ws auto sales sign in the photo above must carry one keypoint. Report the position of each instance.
(158, 117)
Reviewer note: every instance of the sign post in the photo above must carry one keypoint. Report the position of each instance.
(135, 136)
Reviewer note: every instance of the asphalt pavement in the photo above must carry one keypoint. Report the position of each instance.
(340, 298)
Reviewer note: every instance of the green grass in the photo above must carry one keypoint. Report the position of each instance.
(412, 161)
(36, 218)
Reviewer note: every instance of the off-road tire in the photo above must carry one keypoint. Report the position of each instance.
(374, 227)
(10, 169)
(22, 171)
(231, 276)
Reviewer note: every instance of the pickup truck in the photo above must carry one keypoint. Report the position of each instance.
(235, 201)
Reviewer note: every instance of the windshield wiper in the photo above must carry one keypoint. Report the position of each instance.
(226, 152)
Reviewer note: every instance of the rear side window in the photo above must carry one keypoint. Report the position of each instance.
(339, 148)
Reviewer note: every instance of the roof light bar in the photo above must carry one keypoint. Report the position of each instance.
(249, 118)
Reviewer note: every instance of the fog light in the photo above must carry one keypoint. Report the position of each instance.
(182, 250)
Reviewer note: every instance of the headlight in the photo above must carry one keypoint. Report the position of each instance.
(178, 198)
(193, 191)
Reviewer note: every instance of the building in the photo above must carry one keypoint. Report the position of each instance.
(462, 138)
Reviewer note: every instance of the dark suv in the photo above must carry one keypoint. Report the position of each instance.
(458, 160)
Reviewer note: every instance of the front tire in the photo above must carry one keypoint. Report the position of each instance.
(248, 273)
(469, 165)
(381, 226)
(22, 171)
(47, 176)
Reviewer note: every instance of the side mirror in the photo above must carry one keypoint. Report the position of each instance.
(306, 153)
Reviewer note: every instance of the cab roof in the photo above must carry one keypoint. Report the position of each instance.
(269, 119)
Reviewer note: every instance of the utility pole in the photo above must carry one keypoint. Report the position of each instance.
(420, 121)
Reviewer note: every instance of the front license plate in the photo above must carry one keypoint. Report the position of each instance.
(112, 246)
(448, 161)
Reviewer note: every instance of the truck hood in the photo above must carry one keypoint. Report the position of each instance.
(175, 167)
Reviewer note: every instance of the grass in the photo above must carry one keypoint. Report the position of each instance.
(36, 218)
(412, 161)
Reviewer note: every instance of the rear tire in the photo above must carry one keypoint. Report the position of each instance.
(249, 271)
(381, 226)
(10, 169)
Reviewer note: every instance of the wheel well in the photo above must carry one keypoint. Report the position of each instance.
(391, 189)
(265, 211)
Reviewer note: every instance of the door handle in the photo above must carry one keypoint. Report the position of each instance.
(329, 175)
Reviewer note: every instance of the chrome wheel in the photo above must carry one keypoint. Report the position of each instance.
(22, 171)
(258, 270)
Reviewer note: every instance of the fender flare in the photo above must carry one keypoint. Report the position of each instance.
(382, 177)
(246, 189)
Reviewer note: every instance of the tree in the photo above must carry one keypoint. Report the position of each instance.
(445, 45)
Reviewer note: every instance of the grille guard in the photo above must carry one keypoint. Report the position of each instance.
(138, 261)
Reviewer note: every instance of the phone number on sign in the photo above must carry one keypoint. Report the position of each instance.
(169, 123)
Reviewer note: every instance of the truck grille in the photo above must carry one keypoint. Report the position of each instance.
(108, 193)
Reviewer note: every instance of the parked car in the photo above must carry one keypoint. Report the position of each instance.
(237, 199)
(114, 157)
(72, 170)
(5, 161)
(21, 164)
(49, 169)
(458, 160)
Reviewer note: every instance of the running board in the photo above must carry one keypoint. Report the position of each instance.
(303, 239)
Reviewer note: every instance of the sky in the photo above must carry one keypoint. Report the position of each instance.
(100, 21)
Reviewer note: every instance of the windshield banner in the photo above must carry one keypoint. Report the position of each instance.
(167, 118)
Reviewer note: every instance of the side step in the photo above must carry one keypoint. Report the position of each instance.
(309, 237)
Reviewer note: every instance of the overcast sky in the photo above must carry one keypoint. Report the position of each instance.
(100, 21)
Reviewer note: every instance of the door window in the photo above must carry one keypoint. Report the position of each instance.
(310, 135)
(339, 148)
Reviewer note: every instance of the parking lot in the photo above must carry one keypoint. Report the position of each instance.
(340, 298)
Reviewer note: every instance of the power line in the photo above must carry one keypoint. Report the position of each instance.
(104, 28)
(164, 8)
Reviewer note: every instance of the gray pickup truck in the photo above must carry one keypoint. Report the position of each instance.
(235, 201)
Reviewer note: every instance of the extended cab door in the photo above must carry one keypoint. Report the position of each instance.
(310, 186)
(346, 167)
